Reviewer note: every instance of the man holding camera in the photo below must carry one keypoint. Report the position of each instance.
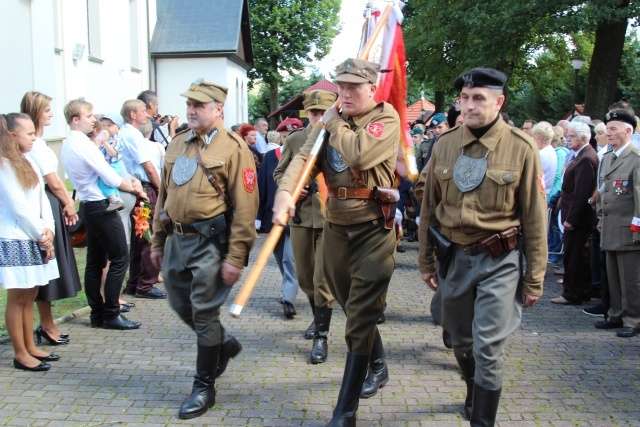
(164, 127)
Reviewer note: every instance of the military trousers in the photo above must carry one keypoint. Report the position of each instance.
(623, 271)
(307, 253)
(358, 264)
(481, 307)
(192, 275)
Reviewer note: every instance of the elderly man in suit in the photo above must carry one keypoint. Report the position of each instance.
(619, 224)
(578, 185)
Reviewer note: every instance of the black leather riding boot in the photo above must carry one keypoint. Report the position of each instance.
(485, 406)
(378, 375)
(230, 348)
(311, 330)
(203, 394)
(468, 368)
(344, 414)
(320, 347)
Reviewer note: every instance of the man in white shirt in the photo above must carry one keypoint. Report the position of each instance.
(84, 164)
(137, 155)
(263, 127)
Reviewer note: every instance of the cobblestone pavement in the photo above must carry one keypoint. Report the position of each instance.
(559, 370)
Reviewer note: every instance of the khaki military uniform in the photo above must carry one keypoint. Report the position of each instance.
(422, 151)
(481, 300)
(192, 264)
(619, 220)
(358, 250)
(306, 236)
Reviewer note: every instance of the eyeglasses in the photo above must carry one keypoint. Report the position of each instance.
(571, 136)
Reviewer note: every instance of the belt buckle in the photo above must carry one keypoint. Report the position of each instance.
(342, 193)
(471, 250)
(177, 227)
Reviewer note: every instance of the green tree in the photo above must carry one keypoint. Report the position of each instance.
(286, 34)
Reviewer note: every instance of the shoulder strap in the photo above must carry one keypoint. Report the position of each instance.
(359, 180)
(212, 180)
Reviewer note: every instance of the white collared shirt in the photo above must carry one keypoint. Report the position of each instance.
(261, 143)
(619, 151)
(84, 164)
(135, 152)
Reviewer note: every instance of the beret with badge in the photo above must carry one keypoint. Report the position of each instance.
(206, 92)
(437, 119)
(319, 100)
(621, 116)
(481, 77)
(416, 131)
(356, 70)
(289, 124)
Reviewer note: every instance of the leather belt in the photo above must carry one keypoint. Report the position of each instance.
(184, 229)
(494, 244)
(343, 193)
(473, 249)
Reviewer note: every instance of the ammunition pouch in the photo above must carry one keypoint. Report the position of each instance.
(388, 198)
(442, 248)
(216, 230)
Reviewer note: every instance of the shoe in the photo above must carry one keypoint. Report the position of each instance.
(400, 249)
(484, 406)
(64, 336)
(561, 300)
(154, 293)
(595, 310)
(203, 393)
(377, 374)
(128, 291)
(124, 309)
(412, 238)
(288, 309)
(446, 339)
(50, 358)
(43, 366)
(121, 323)
(320, 348)
(628, 332)
(311, 331)
(41, 333)
(230, 348)
(115, 206)
(355, 371)
(97, 324)
(605, 324)
(558, 271)
(129, 304)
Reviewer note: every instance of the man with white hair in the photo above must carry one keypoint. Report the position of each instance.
(542, 134)
(619, 223)
(577, 216)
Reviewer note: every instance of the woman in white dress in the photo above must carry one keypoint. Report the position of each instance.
(26, 239)
(38, 106)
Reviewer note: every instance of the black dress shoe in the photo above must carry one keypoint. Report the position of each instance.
(400, 249)
(124, 309)
(605, 324)
(628, 332)
(41, 333)
(120, 323)
(97, 323)
(43, 366)
(288, 309)
(154, 293)
(446, 339)
(130, 291)
(50, 358)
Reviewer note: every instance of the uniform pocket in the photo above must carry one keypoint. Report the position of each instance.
(499, 195)
(216, 168)
(444, 175)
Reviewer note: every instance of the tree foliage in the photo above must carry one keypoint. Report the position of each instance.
(287, 34)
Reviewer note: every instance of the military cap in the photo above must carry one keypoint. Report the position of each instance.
(481, 77)
(356, 70)
(289, 124)
(437, 119)
(319, 100)
(416, 131)
(621, 116)
(206, 92)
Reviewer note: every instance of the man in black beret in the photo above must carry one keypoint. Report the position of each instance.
(483, 189)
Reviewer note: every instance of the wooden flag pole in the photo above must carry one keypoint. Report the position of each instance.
(270, 243)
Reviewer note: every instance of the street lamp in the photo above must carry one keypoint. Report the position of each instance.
(577, 64)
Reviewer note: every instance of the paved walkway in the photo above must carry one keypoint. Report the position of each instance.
(559, 370)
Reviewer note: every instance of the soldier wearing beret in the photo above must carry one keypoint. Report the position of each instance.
(306, 230)
(209, 193)
(618, 210)
(483, 190)
(358, 251)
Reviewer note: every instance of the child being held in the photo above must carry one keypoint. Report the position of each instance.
(112, 149)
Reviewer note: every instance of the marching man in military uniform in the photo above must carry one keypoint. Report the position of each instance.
(358, 164)
(619, 222)
(210, 195)
(306, 231)
(484, 187)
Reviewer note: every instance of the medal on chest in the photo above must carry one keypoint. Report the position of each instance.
(185, 167)
(335, 160)
(468, 173)
(620, 187)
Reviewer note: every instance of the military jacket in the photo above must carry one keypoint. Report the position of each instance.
(367, 143)
(511, 194)
(310, 212)
(229, 160)
(422, 151)
(619, 201)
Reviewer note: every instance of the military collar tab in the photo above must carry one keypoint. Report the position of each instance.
(207, 138)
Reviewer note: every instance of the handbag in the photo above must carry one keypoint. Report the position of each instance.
(77, 232)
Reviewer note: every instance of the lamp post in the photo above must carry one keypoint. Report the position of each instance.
(422, 114)
(577, 64)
